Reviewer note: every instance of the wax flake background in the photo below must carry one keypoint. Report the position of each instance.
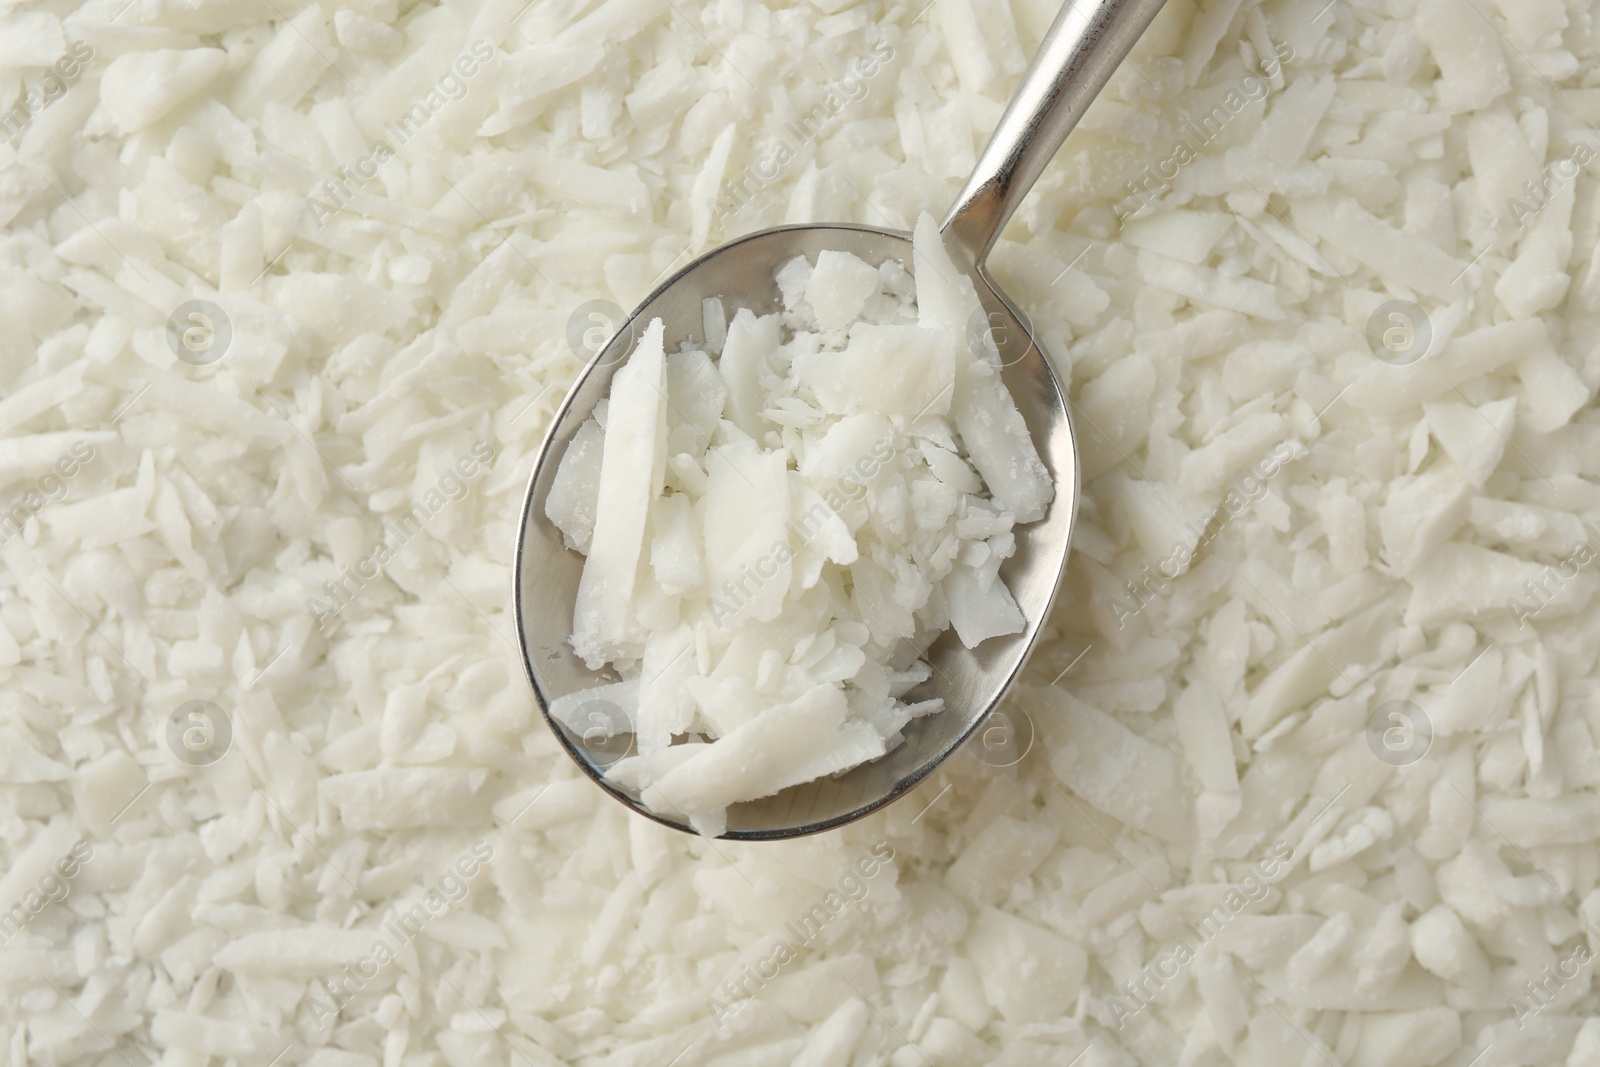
(1320, 279)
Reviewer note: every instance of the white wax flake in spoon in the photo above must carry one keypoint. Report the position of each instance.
(774, 537)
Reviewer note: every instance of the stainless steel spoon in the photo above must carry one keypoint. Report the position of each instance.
(1085, 45)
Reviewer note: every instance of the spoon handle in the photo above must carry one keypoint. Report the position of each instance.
(1086, 43)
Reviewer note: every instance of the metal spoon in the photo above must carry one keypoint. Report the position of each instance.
(1084, 46)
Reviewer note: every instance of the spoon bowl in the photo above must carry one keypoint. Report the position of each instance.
(1084, 46)
(971, 681)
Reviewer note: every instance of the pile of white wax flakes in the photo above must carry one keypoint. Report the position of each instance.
(1303, 772)
(768, 572)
